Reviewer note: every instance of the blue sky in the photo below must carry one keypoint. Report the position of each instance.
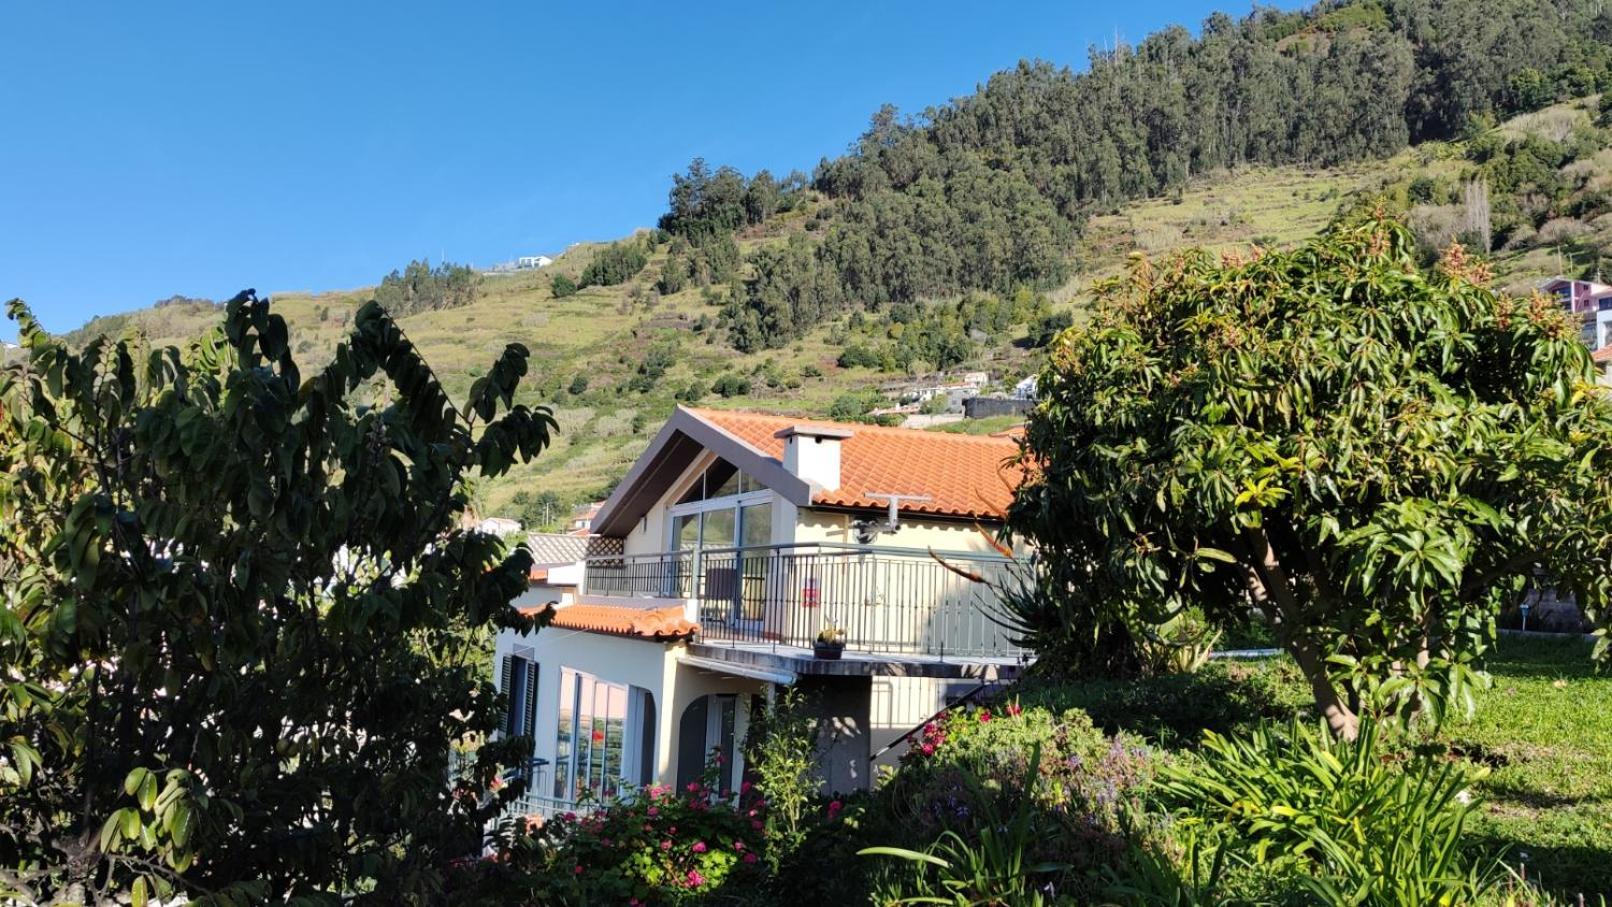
(152, 149)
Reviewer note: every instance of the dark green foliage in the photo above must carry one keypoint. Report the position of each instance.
(1605, 116)
(242, 625)
(730, 385)
(578, 386)
(661, 355)
(562, 286)
(1049, 327)
(615, 264)
(422, 288)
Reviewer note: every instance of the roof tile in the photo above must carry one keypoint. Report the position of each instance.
(665, 624)
(962, 475)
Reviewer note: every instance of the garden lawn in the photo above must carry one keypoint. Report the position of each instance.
(1545, 729)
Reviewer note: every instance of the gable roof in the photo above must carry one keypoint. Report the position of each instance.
(963, 476)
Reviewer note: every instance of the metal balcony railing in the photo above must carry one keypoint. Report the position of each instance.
(887, 600)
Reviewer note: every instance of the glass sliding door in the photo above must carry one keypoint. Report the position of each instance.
(755, 530)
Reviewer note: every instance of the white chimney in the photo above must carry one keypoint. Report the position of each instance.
(812, 452)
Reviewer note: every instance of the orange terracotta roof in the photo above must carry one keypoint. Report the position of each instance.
(1602, 355)
(963, 475)
(665, 624)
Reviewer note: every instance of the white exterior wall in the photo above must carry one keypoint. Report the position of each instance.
(643, 663)
(635, 662)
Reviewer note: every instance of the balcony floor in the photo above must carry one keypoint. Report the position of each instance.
(779, 658)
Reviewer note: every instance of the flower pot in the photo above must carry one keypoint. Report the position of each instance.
(828, 650)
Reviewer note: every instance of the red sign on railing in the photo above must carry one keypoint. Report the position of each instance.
(809, 595)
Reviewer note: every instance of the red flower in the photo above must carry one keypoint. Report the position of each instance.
(750, 858)
(695, 880)
(579, 869)
(699, 847)
(834, 807)
(665, 845)
(985, 715)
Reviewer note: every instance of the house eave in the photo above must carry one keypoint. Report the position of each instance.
(675, 446)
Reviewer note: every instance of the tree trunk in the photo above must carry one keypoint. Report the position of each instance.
(1340, 718)
(1271, 590)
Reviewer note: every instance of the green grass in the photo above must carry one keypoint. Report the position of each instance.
(1545, 730)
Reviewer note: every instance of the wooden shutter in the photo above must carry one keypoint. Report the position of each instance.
(529, 727)
(506, 675)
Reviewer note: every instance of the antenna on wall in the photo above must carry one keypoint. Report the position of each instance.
(868, 530)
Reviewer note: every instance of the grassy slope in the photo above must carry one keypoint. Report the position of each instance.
(601, 334)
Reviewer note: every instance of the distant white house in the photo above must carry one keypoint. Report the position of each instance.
(1025, 390)
(532, 262)
(497, 525)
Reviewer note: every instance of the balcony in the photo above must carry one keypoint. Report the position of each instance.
(889, 601)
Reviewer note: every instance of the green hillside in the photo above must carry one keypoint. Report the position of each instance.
(602, 334)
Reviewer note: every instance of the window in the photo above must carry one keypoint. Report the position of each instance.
(721, 480)
(605, 737)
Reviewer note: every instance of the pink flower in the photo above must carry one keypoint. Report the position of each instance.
(695, 880)
(579, 869)
(693, 787)
(985, 715)
(929, 749)
(654, 810)
(834, 808)
(1013, 709)
(744, 787)
(738, 845)
(749, 858)
(699, 847)
(665, 845)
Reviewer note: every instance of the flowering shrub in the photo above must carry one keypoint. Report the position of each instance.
(973, 761)
(655, 846)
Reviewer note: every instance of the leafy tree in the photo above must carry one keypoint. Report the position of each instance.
(422, 288)
(240, 620)
(563, 286)
(855, 406)
(730, 385)
(660, 356)
(1374, 456)
(1048, 327)
(617, 263)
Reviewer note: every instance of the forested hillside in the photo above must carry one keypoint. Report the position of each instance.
(965, 237)
(990, 192)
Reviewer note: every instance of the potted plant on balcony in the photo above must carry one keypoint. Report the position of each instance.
(830, 641)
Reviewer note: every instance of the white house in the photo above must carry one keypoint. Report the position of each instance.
(740, 537)
(532, 262)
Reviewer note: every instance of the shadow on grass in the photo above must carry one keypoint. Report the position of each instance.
(1573, 869)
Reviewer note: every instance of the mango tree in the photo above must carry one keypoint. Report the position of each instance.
(240, 625)
(1374, 455)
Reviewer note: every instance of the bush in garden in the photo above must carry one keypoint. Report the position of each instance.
(971, 764)
(657, 846)
(1222, 696)
(1355, 823)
